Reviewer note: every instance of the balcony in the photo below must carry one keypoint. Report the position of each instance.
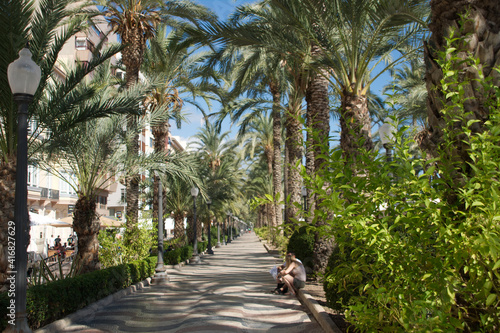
(47, 193)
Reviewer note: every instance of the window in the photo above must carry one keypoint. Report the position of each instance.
(32, 126)
(123, 195)
(81, 43)
(33, 176)
(66, 182)
(151, 142)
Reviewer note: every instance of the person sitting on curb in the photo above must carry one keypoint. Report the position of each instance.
(294, 275)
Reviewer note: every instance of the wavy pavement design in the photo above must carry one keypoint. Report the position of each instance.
(226, 292)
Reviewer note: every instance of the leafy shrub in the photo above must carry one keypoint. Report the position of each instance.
(413, 255)
(55, 300)
(173, 256)
(302, 244)
(186, 252)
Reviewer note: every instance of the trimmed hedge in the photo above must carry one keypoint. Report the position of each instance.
(177, 255)
(55, 300)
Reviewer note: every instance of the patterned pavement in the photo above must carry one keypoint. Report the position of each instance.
(225, 292)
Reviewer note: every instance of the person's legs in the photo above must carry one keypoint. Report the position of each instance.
(288, 279)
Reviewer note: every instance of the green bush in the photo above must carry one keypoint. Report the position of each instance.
(173, 256)
(52, 301)
(202, 246)
(417, 253)
(302, 244)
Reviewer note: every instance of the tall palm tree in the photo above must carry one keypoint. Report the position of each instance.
(257, 73)
(170, 63)
(136, 21)
(474, 22)
(408, 91)
(58, 105)
(259, 139)
(177, 201)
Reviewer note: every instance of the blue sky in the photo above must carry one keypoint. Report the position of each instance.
(223, 8)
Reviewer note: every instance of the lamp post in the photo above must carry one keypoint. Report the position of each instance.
(386, 133)
(231, 220)
(218, 235)
(228, 226)
(24, 76)
(160, 271)
(194, 194)
(304, 196)
(224, 232)
(209, 246)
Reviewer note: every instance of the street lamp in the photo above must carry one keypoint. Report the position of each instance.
(386, 133)
(218, 234)
(194, 194)
(304, 195)
(231, 221)
(209, 247)
(228, 226)
(24, 76)
(160, 271)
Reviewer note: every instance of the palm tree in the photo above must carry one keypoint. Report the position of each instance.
(136, 22)
(58, 105)
(472, 22)
(86, 158)
(408, 91)
(256, 73)
(177, 201)
(170, 64)
(259, 139)
(220, 168)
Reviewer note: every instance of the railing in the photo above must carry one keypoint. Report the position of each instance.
(49, 193)
(54, 194)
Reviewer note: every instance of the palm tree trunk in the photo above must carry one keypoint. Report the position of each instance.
(160, 134)
(199, 228)
(271, 210)
(480, 37)
(178, 225)
(318, 119)
(277, 164)
(7, 193)
(294, 139)
(189, 228)
(132, 56)
(86, 225)
(355, 126)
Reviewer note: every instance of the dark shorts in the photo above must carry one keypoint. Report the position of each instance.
(297, 284)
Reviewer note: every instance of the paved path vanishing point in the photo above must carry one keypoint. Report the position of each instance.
(226, 292)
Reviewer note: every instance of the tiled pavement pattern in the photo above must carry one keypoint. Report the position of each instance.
(225, 292)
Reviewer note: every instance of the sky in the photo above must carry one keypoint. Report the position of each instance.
(223, 8)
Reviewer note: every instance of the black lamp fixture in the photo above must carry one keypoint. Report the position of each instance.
(304, 196)
(209, 246)
(194, 194)
(160, 270)
(24, 76)
(230, 225)
(386, 133)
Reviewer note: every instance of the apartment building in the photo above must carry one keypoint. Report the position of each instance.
(48, 194)
(116, 199)
(54, 197)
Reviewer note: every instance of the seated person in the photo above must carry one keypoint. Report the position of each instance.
(61, 250)
(293, 275)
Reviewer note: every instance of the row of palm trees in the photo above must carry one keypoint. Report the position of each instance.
(273, 55)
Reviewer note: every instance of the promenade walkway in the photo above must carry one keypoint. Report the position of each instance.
(226, 292)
